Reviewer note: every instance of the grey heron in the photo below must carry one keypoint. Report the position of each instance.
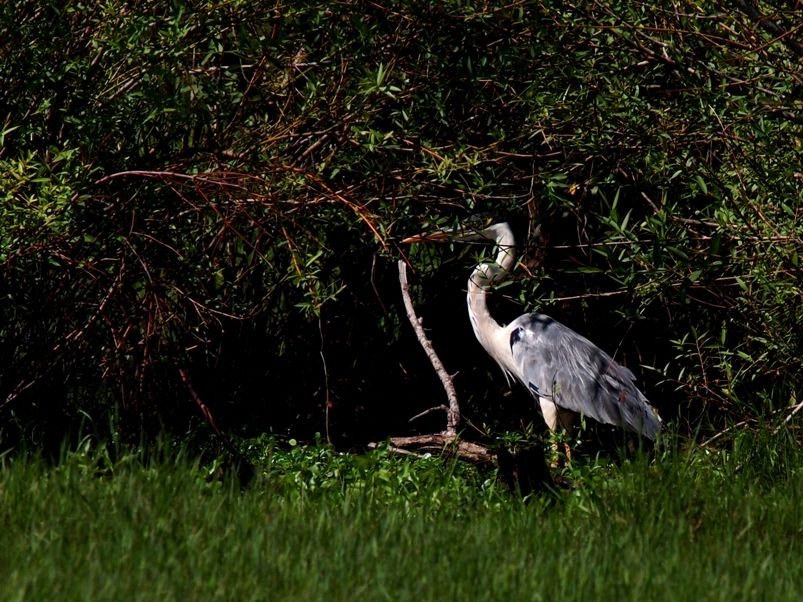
(565, 372)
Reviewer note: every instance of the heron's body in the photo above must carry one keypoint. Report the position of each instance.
(563, 370)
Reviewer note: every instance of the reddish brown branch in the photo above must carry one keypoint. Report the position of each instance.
(207, 413)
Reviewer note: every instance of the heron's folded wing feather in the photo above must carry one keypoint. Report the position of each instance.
(555, 362)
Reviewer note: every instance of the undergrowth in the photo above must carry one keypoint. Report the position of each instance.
(320, 524)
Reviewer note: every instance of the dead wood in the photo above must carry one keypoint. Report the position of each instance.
(453, 409)
(523, 473)
(446, 443)
(449, 446)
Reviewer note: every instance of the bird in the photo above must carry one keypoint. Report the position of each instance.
(565, 372)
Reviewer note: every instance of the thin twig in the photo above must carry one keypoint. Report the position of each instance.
(789, 417)
(725, 431)
(794, 410)
(327, 397)
(453, 411)
(207, 413)
(440, 408)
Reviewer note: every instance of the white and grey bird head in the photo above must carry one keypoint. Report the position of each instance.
(484, 275)
(472, 230)
(499, 233)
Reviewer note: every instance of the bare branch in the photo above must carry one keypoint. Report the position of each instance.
(446, 443)
(440, 408)
(726, 430)
(453, 411)
(210, 419)
(442, 443)
(788, 419)
(750, 8)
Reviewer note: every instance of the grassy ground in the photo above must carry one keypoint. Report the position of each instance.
(321, 525)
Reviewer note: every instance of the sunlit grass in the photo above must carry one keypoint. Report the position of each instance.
(322, 525)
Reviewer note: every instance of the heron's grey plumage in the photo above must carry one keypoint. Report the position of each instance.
(564, 371)
(557, 364)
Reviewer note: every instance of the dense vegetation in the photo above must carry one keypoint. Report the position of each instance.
(217, 189)
(321, 525)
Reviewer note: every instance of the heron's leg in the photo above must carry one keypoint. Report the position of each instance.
(550, 412)
(565, 422)
(558, 420)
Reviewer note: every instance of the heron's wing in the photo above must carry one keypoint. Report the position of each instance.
(556, 363)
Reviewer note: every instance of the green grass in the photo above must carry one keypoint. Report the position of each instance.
(318, 525)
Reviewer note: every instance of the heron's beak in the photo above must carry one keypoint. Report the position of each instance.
(437, 235)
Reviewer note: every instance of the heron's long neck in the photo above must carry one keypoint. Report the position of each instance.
(481, 320)
(486, 329)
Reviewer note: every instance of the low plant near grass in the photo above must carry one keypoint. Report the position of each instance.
(320, 524)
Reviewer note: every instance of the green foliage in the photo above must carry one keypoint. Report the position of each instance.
(317, 474)
(220, 186)
(702, 525)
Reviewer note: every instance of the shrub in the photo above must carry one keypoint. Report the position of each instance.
(219, 187)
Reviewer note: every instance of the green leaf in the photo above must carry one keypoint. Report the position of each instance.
(701, 184)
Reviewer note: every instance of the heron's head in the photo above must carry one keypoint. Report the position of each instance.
(499, 233)
(473, 231)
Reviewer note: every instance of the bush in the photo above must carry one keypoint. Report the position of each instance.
(220, 188)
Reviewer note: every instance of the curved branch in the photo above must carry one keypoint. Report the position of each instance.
(453, 411)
